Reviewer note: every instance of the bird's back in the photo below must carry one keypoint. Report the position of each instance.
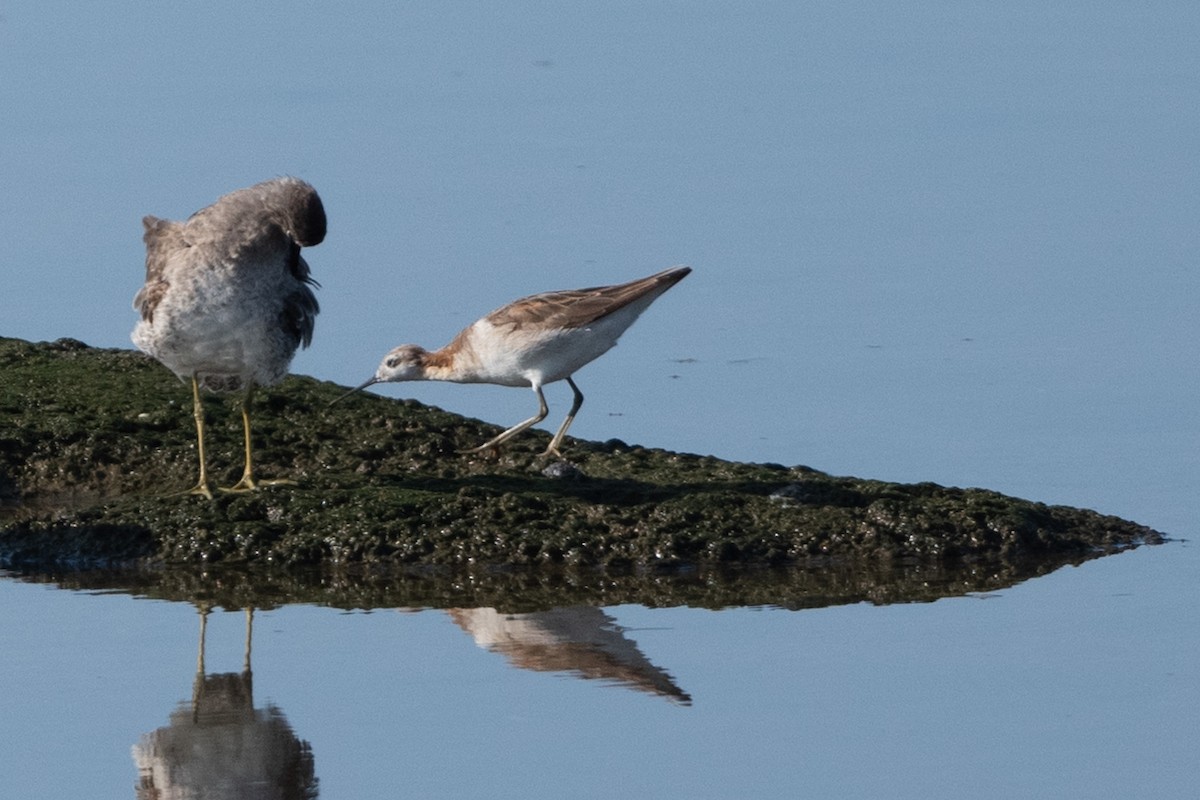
(255, 217)
(227, 294)
(578, 308)
(547, 337)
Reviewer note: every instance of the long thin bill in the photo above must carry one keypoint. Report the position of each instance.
(358, 388)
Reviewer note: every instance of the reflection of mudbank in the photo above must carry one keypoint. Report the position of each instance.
(834, 582)
(581, 640)
(220, 746)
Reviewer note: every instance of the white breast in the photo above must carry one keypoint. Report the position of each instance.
(222, 321)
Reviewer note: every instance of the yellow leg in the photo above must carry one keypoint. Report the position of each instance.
(198, 683)
(248, 482)
(552, 450)
(200, 649)
(494, 444)
(201, 486)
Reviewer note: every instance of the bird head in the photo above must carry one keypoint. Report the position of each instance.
(403, 363)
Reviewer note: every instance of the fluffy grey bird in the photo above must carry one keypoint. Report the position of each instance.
(228, 299)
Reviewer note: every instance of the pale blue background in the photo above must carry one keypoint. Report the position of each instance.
(938, 241)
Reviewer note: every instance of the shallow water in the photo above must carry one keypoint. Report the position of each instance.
(1059, 686)
(947, 242)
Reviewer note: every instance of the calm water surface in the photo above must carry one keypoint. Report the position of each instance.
(1061, 686)
(945, 241)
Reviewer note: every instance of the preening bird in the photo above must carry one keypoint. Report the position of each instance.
(228, 298)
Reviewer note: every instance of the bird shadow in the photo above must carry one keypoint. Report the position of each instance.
(601, 490)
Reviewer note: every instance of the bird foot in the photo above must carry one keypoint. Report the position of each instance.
(249, 484)
(488, 448)
(201, 489)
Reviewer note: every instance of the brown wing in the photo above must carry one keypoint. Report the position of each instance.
(576, 308)
(162, 237)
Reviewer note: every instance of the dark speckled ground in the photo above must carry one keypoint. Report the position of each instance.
(93, 443)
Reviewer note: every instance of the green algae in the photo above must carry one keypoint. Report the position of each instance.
(93, 442)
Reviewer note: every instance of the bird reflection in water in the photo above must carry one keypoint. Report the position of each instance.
(580, 640)
(220, 746)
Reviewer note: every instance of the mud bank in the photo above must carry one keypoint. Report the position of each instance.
(93, 441)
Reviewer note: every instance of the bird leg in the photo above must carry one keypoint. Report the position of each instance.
(200, 649)
(248, 482)
(249, 638)
(494, 444)
(201, 486)
(552, 450)
(198, 683)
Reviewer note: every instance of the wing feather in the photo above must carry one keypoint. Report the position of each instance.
(578, 308)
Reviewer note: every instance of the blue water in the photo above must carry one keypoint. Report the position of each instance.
(947, 241)
(1079, 684)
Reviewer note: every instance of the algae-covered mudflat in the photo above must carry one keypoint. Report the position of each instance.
(96, 443)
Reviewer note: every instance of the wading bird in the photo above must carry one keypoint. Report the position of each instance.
(227, 298)
(532, 342)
